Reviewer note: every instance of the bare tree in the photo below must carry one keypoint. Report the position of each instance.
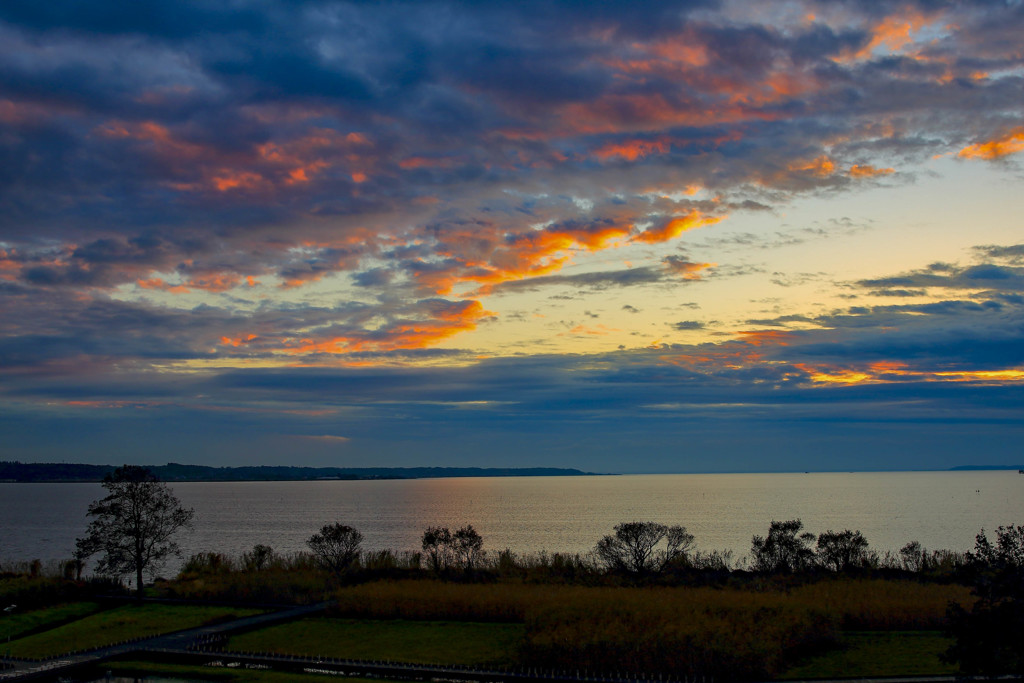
(633, 547)
(336, 547)
(134, 525)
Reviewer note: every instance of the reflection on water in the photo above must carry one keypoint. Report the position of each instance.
(530, 514)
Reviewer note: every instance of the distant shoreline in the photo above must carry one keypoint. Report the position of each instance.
(72, 473)
(76, 473)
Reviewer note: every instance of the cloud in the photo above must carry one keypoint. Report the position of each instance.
(186, 188)
(1006, 144)
(598, 280)
(988, 276)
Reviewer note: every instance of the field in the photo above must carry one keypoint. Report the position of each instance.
(762, 630)
(864, 654)
(419, 642)
(757, 629)
(115, 625)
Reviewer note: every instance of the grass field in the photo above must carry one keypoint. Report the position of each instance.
(420, 642)
(122, 623)
(19, 623)
(879, 653)
(759, 629)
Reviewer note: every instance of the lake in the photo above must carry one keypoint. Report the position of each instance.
(554, 514)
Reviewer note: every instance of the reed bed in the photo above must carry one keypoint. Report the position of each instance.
(884, 604)
(741, 633)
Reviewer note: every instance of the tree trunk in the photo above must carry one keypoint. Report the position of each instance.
(138, 582)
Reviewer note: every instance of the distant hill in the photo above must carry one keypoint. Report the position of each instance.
(987, 467)
(70, 472)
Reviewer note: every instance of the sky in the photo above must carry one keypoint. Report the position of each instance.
(614, 236)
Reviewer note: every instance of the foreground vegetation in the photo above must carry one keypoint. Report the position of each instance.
(864, 654)
(754, 630)
(415, 642)
(644, 602)
(116, 625)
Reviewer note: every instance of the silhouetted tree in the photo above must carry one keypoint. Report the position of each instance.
(134, 525)
(914, 557)
(988, 638)
(336, 547)
(258, 559)
(784, 550)
(468, 546)
(437, 544)
(842, 550)
(633, 547)
(444, 548)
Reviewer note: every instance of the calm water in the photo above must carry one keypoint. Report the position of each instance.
(530, 514)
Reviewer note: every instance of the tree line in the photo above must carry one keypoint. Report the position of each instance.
(132, 531)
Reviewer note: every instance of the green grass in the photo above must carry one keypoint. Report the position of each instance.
(138, 668)
(122, 623)
(16, 624)
(421, 642)
(879, 653)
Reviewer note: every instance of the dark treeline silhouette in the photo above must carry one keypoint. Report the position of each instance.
(637, 552)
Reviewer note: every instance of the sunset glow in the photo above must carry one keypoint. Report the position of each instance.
(347, 218)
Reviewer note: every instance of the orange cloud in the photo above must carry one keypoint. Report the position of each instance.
(237, 341)
(675, 227)
(489, 257)
(486, 255)
(689, 270)
(631, 150)
(868, 171)
(821, 166)
(412, 163)
(17, 113)
(618, 113)
(158, 283)
(731, 357)
(446, 319)
(265, 167)
(891, 371)
(220, 282)
(235, 180)
(1011, 143)
(765, 337)
(893, 32)
(824, 375)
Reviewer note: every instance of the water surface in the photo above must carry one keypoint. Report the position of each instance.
(531, 514)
